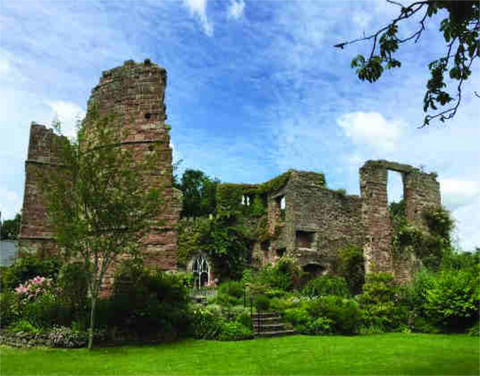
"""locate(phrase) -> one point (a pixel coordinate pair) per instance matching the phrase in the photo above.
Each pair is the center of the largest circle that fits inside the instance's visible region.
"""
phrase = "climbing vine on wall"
(409, 238)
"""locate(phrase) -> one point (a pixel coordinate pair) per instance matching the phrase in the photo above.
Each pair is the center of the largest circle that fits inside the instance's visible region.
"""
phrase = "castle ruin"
(311, 222)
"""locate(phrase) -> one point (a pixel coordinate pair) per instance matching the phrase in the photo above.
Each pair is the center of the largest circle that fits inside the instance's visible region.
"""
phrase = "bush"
(345, 314)
(380, 302)
(452, 302)
(234, 331)
(9, 308)
(206, 324)
(326, 285)
(299, 318)
(352, 268)
(262, 303)
(73, 285)
(230, 293)
(320, 326)
(28, 267)
(67, 338)
(25, 326)
(147, 302)
(474, 331)
(47, 311)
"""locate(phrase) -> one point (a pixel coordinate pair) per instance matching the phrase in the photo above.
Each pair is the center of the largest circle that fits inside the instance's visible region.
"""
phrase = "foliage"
(460, 30)
(230, 293)
(298, 317)
(206, 324)
(24, 326)
(327, 285)
(67, 338)
(146, 302)
(262, 303)
(352, 267)
(10, 228)
(234, 331)
(474, 331)
(9, 308)
(28, 267)
(34, 287)
(284, 275)
(380, 302)
(73, 285)
(428, 246)
(100, 207)
(220, 239)
(452, 302)
(199, 193)
(345, 314)
(46, 311)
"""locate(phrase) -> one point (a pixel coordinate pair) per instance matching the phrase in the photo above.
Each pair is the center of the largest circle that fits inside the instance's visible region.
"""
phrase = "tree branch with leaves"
(460, 31)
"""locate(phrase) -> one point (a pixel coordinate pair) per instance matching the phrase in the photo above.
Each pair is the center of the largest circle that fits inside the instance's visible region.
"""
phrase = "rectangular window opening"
(304, 239)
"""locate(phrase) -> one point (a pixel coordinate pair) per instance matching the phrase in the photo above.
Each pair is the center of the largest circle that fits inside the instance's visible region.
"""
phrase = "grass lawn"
(386, 354)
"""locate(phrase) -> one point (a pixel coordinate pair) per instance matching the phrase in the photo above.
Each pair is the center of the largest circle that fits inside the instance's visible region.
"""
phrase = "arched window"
(201, 271)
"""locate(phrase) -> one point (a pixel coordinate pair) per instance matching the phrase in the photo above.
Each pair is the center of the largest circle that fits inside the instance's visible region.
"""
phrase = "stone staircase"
(269, 324)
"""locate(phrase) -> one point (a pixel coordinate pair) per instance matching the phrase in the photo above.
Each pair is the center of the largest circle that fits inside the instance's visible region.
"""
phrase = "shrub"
(67, 338)
(206, 324)
(73, 285)
(34, 287)
(230, 293)
(245, 319)
(28, 267)
(474, 331)
(352, 268)
(47, 311)
(234, 331)
(25, 326)
(380, 302)
(9, 308)
(452, 302)
(345, 314)
(299, 318)
(326, 285)
(262, 303)
(320, 326)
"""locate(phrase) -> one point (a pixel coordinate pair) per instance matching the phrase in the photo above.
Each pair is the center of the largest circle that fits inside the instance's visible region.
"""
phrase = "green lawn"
(388, 354)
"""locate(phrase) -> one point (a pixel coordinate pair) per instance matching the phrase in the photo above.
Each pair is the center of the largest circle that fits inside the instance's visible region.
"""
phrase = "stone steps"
(269, 324)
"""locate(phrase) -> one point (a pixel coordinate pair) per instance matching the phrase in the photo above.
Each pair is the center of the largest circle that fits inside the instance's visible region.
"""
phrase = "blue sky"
(254, 88)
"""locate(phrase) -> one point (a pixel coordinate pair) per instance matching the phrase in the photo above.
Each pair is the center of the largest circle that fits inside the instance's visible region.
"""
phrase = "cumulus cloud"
(236, 9)
(198, 8)
(68, 114)
(467, 221)
(372, 129)
(457, 193)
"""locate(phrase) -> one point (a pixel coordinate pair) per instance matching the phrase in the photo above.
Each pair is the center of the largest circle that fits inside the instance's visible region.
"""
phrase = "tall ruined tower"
(135, 94)
(420, 191)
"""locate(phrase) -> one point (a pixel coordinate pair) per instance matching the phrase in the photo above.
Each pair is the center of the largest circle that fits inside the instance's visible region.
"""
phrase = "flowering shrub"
(67, 338)
(34, 288)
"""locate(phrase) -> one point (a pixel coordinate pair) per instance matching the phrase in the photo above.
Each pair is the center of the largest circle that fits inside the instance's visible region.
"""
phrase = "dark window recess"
(265, 245)
(313, 269)
(305, 239)
(280, 252)
(148, 115)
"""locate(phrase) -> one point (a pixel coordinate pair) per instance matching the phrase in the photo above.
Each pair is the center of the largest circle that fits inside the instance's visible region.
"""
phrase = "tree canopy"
(199, 193)
(460, 29)
(10, 228)
(99, 200)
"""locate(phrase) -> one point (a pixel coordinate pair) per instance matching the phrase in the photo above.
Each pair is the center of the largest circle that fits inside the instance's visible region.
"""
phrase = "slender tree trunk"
(92, 321)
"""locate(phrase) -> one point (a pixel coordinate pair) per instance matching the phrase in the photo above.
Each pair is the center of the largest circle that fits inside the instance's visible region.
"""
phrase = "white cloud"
(467, 221)
(457, 193)
(11, 203)
(236, 9)
(371, 128)
(199, 8)
(68, 114)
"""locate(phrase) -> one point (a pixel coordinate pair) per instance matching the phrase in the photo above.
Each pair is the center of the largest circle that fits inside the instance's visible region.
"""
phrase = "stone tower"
(135, 94)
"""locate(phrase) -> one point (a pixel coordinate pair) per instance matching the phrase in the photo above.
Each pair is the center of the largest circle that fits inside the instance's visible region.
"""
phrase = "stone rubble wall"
(421, 191)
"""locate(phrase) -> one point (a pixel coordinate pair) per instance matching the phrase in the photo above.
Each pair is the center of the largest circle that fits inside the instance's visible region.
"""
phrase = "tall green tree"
(99, 200)
(10, 228)
(460, 29)
(199, 193)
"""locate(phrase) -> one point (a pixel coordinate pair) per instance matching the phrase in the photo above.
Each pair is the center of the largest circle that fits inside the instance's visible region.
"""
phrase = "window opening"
(304, 239)
(280, 252)
(395, 190)
(201, 272)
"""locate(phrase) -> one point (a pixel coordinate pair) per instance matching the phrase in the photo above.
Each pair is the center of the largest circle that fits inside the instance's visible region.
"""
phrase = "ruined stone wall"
(135, 94)
(332, 220)
(35, 233)
(421, 190)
